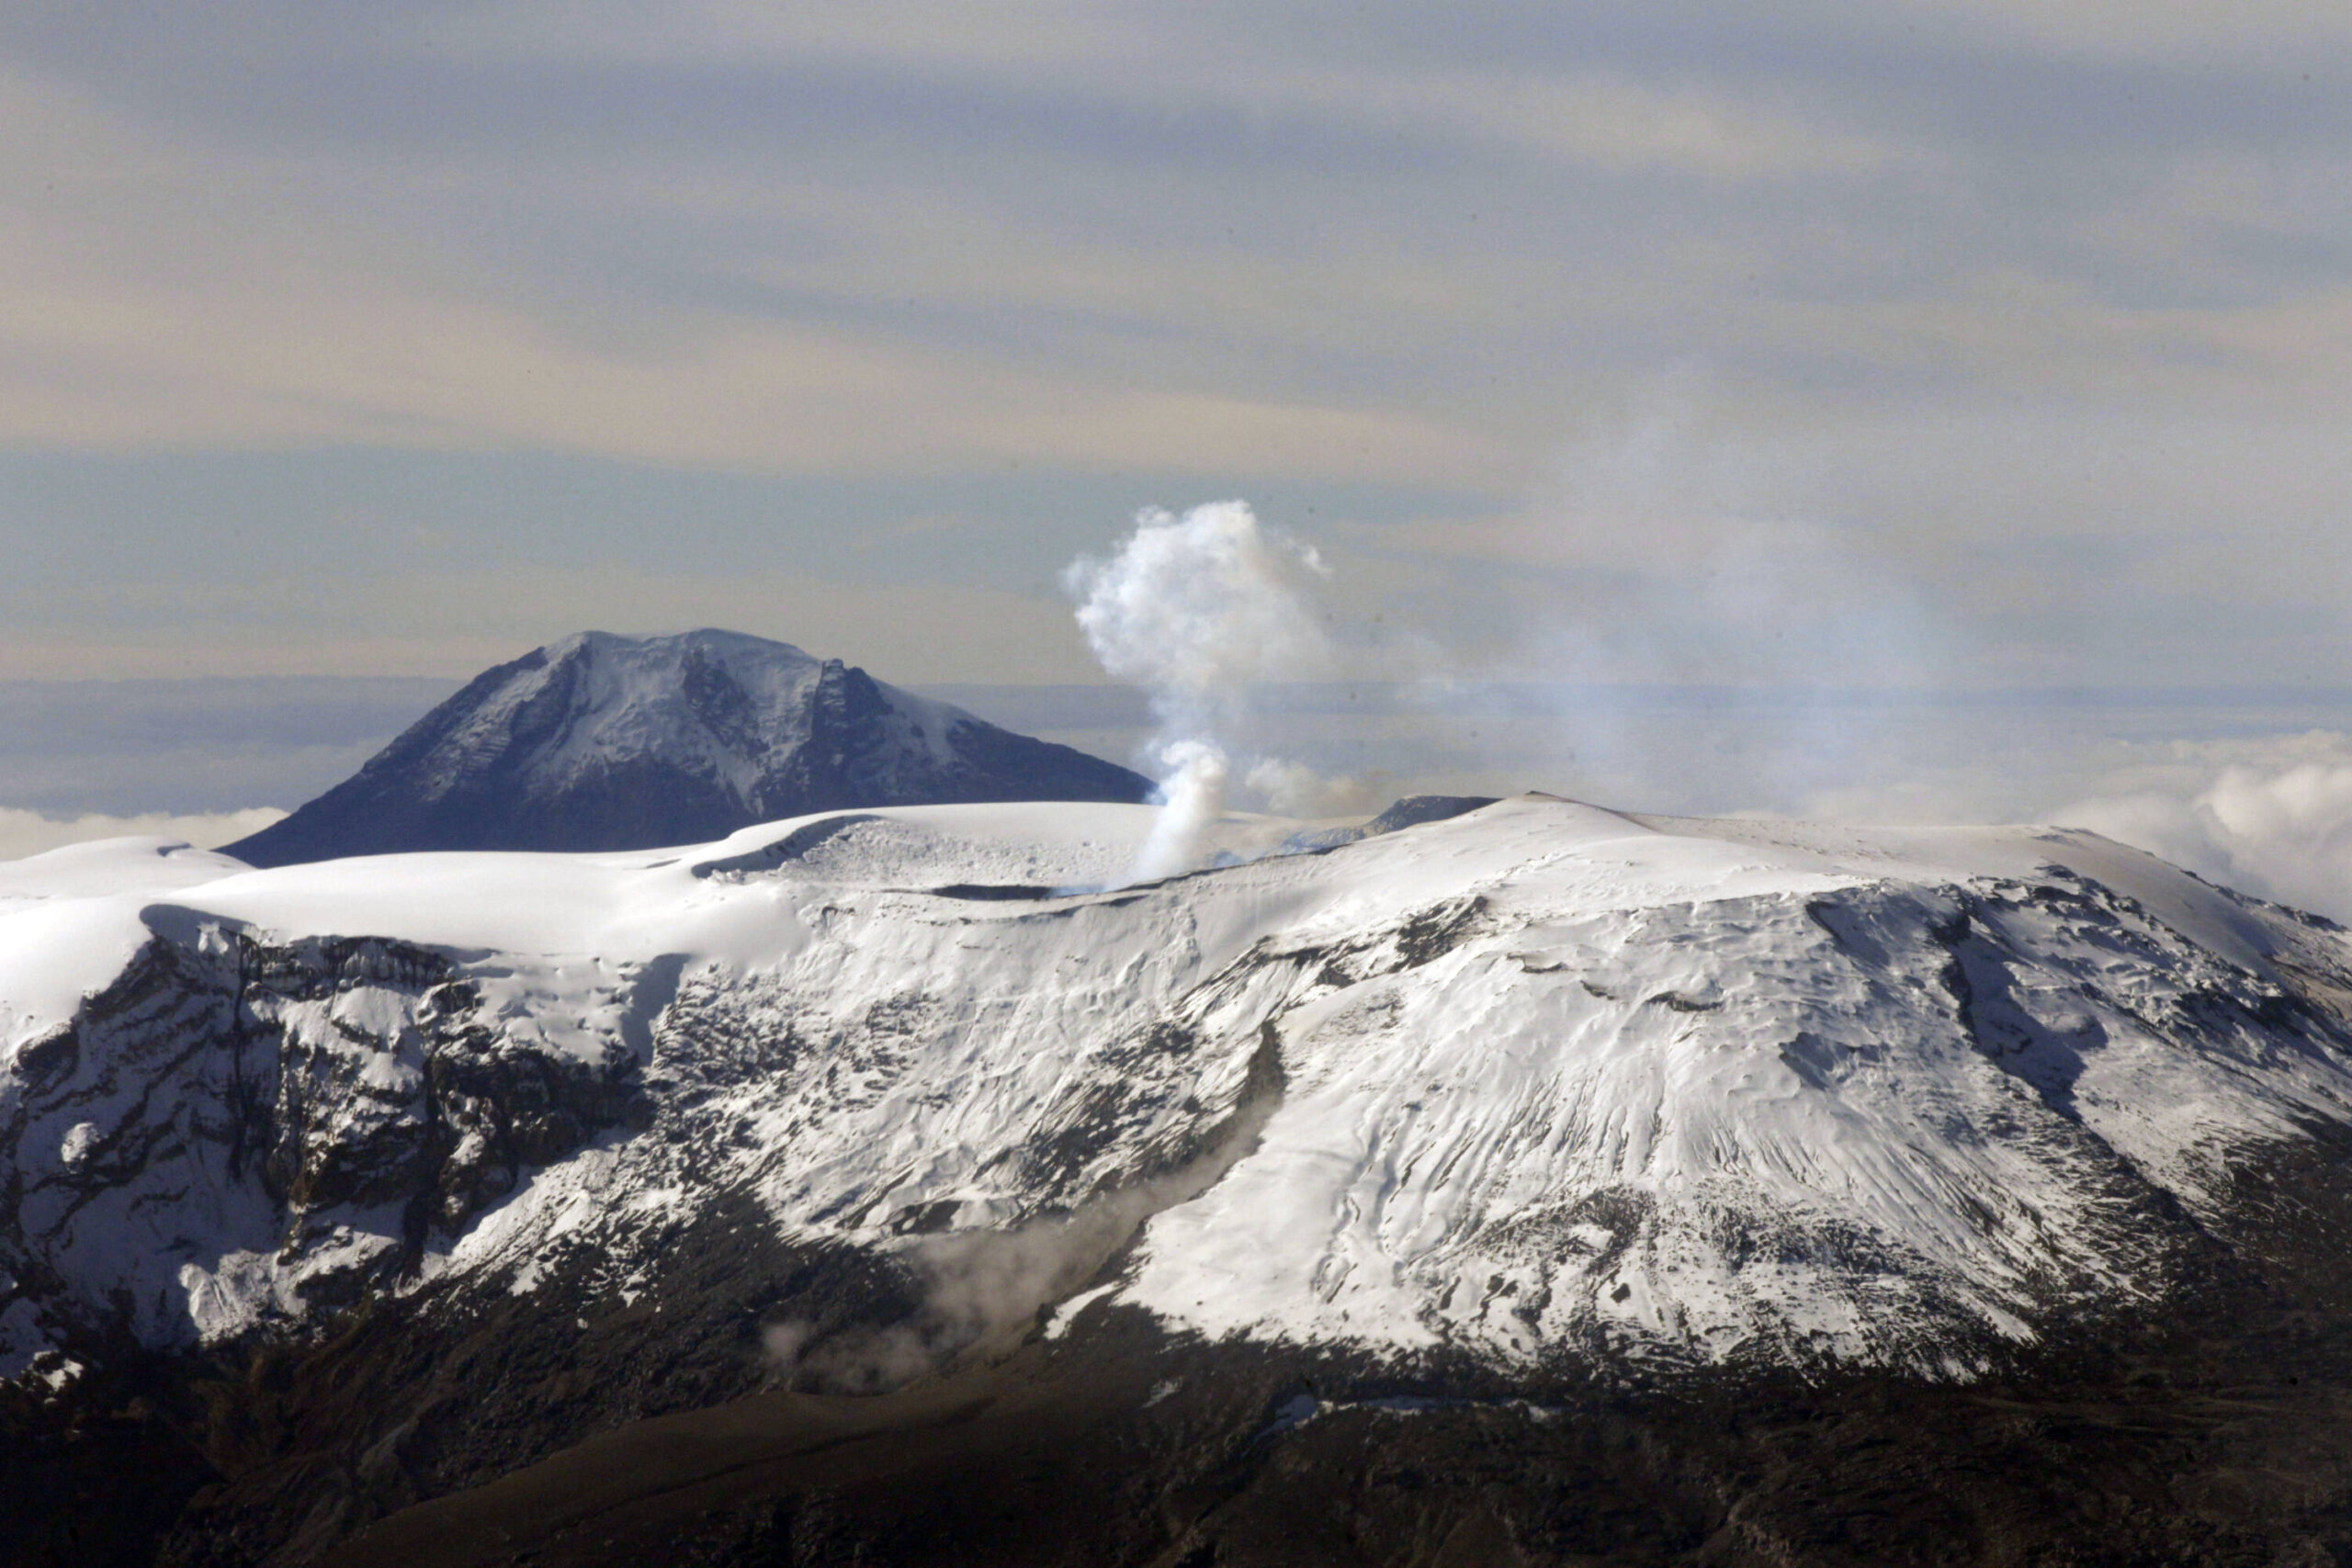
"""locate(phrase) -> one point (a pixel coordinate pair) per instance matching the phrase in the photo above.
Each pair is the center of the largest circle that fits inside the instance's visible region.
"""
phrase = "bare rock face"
(604, 742)
(271, 1093)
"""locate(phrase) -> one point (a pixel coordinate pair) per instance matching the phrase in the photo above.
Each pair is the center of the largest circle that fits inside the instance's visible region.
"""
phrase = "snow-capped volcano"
(1539, 1081)
(600, 742)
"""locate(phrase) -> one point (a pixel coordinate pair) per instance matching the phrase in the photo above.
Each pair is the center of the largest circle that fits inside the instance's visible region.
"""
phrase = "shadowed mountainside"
(604, 742)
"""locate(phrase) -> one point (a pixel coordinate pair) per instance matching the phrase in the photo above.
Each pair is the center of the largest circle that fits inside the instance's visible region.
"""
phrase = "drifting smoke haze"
(1807, 678)
(980, 1288)
(1738, 641)
(1662, 557)
(977, 1286)
(1695, 621)
(1193, 610)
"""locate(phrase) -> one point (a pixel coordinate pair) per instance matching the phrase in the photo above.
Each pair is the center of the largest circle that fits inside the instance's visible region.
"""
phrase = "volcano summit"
(604, 742)
(1488, 1124)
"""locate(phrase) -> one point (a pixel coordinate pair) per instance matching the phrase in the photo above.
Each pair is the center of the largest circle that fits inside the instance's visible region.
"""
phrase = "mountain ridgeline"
(605, 742)
(1530, 1186)
(1514, 1183)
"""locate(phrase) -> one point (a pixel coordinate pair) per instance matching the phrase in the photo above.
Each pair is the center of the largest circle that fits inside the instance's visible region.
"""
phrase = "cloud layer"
(2040, 313)
(2270, 818)
(29, 833)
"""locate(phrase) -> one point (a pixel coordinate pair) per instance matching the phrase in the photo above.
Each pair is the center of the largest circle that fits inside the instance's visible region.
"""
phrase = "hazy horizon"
(1971, 345)
(214, 759)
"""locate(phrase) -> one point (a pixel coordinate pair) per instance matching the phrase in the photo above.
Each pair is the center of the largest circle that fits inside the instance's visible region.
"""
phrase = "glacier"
(1537, 1084)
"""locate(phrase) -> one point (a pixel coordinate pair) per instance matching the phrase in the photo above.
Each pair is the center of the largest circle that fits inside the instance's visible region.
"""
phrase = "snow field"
(1551, 1079)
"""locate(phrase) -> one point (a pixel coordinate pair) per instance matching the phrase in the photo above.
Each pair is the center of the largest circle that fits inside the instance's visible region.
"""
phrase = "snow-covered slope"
(1542, 1080)
(603, 742)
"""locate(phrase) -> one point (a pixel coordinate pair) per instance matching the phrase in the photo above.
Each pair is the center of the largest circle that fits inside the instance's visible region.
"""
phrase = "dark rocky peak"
(607, 742)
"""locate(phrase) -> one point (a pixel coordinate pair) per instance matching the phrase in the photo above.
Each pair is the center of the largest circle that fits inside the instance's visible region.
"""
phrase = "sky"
(1941, 346)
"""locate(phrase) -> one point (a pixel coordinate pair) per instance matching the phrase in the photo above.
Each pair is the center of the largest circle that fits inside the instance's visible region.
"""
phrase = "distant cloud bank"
(2271, 817)
(26, 833)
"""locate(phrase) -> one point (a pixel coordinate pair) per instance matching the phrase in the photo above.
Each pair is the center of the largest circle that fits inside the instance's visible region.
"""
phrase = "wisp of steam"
(983, 1288)
(1193, 609)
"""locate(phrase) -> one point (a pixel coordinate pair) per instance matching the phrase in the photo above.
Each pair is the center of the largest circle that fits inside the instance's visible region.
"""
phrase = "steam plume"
(1192, 609)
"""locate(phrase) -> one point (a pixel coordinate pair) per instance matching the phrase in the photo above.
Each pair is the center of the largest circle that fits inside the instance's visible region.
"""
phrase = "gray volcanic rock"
(605, 742)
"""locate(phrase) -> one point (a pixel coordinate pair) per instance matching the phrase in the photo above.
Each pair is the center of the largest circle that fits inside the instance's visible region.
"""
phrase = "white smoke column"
(1194, 798)
(1192, 609)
